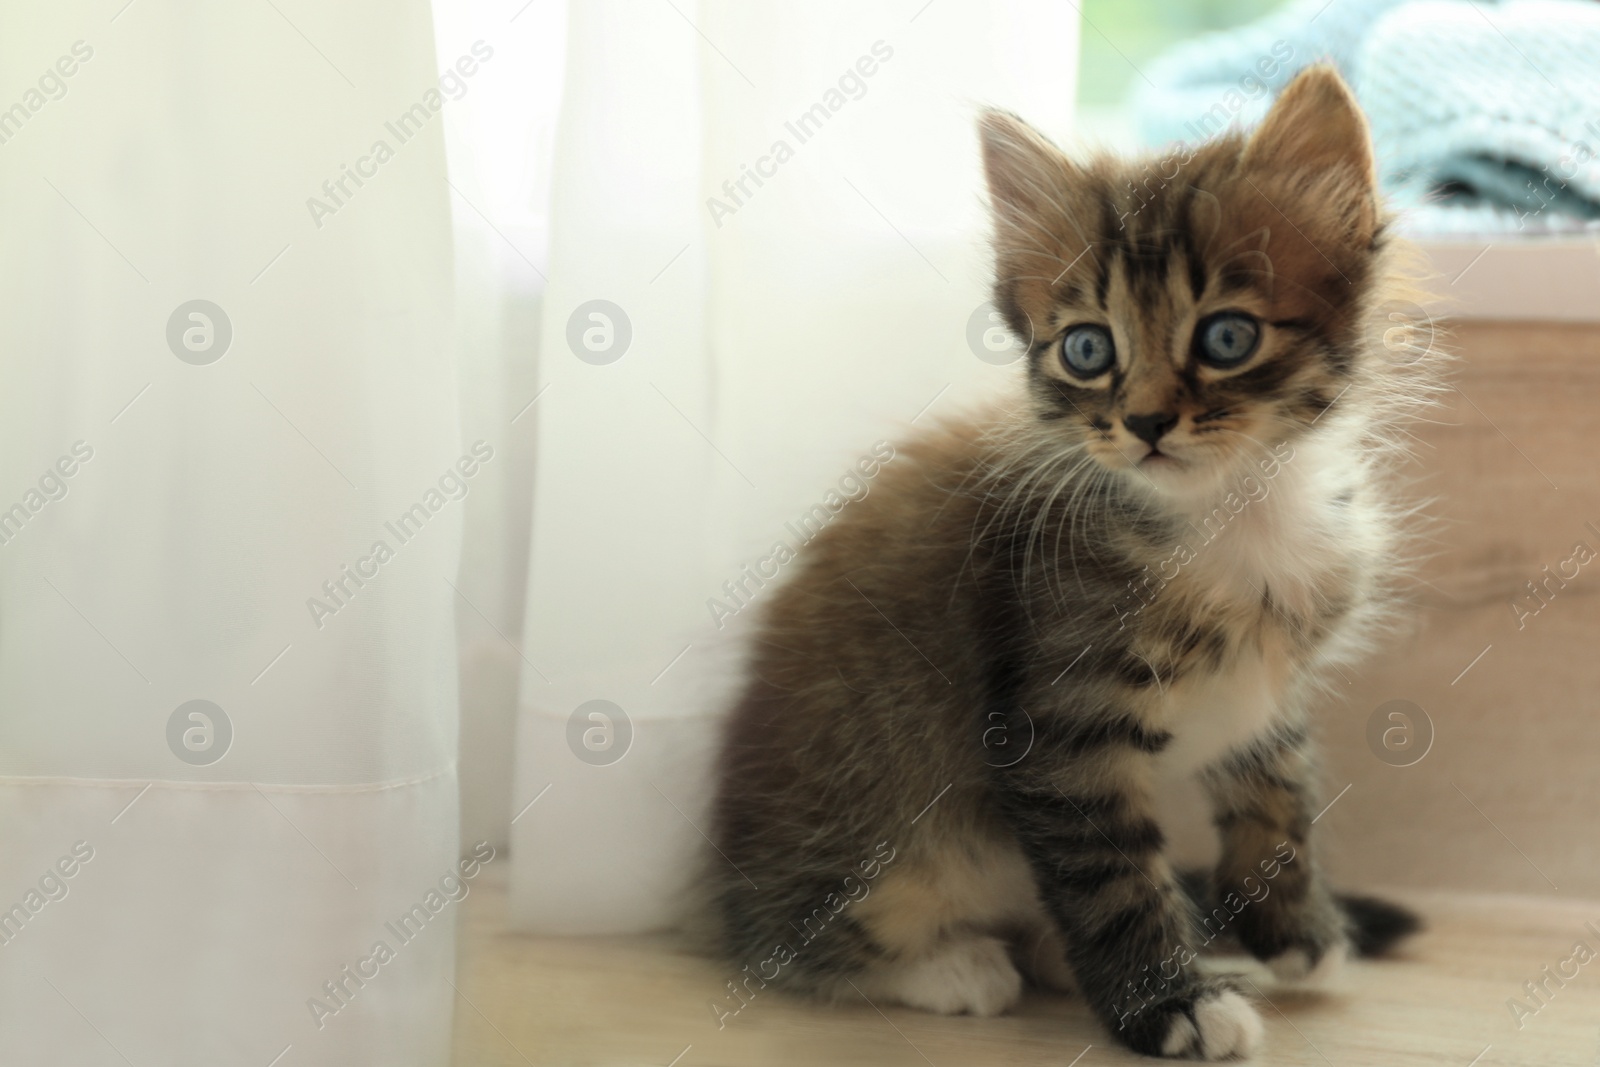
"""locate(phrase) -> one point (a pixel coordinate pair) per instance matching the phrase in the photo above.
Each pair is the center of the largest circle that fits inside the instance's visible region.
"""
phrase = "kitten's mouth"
(1155, 458)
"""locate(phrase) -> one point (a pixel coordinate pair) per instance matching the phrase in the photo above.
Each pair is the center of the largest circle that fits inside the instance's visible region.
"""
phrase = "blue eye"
(1088, 351)
(1227, 339)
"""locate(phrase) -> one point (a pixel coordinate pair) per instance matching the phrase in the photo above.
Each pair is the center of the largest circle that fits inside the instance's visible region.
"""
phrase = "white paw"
(1223, 1026)
(1295, 965)
(975, 977)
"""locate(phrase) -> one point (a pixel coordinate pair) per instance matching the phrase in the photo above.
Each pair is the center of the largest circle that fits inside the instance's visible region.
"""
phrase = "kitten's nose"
(1149, 428)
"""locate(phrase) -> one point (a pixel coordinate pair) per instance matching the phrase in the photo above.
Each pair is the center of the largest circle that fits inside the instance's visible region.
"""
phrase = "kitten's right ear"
(1315, 124)
(1023, 169)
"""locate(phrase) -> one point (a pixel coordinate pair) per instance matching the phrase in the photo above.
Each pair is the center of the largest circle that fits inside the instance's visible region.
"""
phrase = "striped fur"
(977, 678)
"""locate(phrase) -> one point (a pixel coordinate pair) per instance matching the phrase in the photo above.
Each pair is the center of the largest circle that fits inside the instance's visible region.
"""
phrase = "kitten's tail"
(1376, 926)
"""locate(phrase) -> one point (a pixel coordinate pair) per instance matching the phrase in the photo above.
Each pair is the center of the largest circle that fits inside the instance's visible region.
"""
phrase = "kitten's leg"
(1264, 807)
(1085, 821)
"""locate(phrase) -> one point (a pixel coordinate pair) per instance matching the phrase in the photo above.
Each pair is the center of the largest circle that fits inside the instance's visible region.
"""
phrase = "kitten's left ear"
(1314, 125)
(1024, 170)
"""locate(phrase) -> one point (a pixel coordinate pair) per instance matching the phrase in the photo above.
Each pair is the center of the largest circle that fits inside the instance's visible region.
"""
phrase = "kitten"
(941, 773)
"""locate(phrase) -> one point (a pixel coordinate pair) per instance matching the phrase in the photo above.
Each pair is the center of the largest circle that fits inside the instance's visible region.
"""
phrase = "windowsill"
(1555, 279)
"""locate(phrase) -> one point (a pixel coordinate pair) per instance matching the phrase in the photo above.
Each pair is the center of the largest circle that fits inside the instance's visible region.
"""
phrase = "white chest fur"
(1212, 714)
(1293, 531)
(1289, 531)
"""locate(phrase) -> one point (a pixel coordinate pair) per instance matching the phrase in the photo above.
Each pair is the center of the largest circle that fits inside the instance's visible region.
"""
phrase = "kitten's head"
(1184, 315)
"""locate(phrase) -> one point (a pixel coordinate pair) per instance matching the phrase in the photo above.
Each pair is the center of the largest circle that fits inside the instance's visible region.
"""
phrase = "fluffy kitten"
(941, 773)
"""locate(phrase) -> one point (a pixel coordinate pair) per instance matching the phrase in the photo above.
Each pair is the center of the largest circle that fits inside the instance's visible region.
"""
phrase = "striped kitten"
(941, 773)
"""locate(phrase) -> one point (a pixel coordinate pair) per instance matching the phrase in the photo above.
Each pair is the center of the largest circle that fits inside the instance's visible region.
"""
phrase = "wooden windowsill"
(1553, 279)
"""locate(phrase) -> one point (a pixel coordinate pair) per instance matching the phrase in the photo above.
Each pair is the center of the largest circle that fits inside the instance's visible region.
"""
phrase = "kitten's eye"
(1088, 351)
(1228, 339)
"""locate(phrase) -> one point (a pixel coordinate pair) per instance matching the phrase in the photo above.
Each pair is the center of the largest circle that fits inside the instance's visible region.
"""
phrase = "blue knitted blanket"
(1485, 116)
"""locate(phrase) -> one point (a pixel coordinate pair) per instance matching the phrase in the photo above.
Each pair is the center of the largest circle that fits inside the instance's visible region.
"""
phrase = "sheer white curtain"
(766, 253)
(499, 135)
(194, 495)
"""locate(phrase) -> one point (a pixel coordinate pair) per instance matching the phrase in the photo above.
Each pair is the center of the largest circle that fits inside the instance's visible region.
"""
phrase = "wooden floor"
(641, 1001)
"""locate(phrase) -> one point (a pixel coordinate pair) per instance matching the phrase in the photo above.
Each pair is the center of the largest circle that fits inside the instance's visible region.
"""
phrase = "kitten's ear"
(1023, 168)
(1314, 125)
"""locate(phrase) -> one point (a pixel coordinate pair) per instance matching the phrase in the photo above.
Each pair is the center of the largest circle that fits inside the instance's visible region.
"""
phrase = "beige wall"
(1517, 734)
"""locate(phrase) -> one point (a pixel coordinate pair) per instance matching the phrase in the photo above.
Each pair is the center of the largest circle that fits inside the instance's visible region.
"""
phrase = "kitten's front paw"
(1220, 1026)
(1212, 1023)
(1298, 967)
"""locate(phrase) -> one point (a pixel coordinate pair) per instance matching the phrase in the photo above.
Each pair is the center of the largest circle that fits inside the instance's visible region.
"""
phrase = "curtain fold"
(766, 255)
(231, 468)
